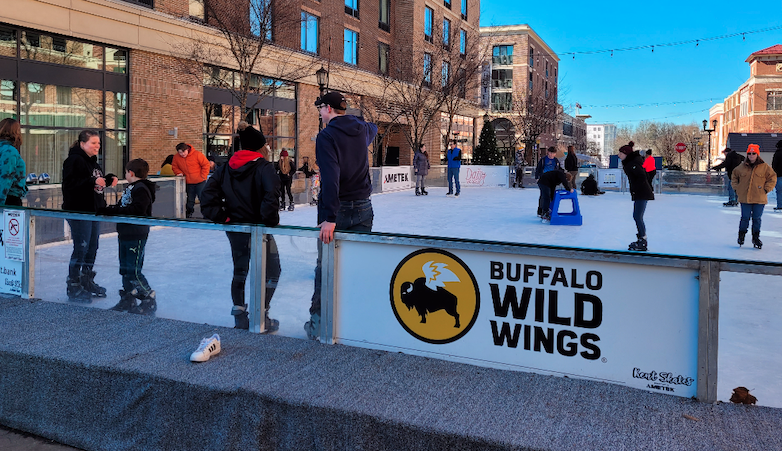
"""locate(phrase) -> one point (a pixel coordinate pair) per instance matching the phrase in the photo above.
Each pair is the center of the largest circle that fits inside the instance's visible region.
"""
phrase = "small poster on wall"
(12, 241)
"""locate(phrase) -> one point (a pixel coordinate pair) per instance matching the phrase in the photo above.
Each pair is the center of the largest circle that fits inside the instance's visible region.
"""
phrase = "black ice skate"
(417, 192)
(741, 237)
(730, 203)
(77, 293)
(423, 191)
(87, 279)
(756, 240)
(290, 207)
(639, 245)
(126, 302)
(147, 304)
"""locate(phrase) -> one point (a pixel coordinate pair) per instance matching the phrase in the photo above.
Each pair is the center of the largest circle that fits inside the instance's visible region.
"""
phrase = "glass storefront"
(57, 87)
(461, 130)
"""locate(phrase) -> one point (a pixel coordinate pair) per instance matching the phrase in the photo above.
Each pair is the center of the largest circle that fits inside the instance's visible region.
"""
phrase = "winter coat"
(285, 178)
(341, 153)
(776, 162)
(571, 162)
(732, 160)
(546, 164)
(640, 189)
(553, 178)
(649, 164)
(79, 173)
(421, 164)
(752, 183)
(167, 170)
(454, 157)
(589, 186)
(245, 190)
(305, 168)
(195, 167)
(136, 200)
(13, 173)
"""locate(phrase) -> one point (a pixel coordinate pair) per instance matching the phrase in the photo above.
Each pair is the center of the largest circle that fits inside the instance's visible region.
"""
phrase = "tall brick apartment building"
(122, 67)
(522, 77)
(756, 106)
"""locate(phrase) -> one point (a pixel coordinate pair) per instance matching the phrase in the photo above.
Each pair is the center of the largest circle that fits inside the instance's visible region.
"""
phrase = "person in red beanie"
(285, 170)
(640, 191)
(752, 180)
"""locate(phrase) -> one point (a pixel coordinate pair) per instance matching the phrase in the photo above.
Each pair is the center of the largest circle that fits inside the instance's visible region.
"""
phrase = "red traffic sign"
(680, 147)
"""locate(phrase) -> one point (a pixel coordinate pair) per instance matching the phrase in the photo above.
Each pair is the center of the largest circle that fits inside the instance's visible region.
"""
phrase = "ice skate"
(126, 302)
(730, 203)
(146, 306)
(282, 206)
(639, 245)
(777, 209)
(241, 318)
(290, 207)
(424, 192)
(271, 325)
(312, 327)
(87, 279)
(756, 240)
(77, 293)
(417, 192)
(741, 237)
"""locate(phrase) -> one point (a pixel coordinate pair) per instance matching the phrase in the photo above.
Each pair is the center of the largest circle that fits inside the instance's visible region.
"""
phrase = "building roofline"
(514, 30)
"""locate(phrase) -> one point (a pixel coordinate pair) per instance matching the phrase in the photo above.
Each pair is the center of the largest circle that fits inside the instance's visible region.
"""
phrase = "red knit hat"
(753, 148)
(627, 149)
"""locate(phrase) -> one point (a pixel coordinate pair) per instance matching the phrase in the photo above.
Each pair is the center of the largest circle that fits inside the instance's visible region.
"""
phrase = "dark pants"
(354, 216)
(650, 176)
(131, 261)
(453, 177)
(285, 187)
(240, 253)
(85, 247)
(13, 200)
(754, 211)
(544, 201)
(193, 190)
(639, 208)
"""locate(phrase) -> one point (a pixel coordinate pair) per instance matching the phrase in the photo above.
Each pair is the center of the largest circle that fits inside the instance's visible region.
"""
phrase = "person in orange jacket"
(752, 180)
(194, 166)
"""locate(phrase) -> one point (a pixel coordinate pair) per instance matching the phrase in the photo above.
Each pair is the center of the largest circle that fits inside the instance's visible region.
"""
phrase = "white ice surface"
(191, 269)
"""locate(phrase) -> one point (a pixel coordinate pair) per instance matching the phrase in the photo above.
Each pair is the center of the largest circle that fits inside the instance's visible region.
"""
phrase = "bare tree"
(533, 115)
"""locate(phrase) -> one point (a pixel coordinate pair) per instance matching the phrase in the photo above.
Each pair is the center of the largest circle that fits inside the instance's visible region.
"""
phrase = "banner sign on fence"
(483, 176)
(396, 178)
(560, 316)
(12, 240)
(609, 178)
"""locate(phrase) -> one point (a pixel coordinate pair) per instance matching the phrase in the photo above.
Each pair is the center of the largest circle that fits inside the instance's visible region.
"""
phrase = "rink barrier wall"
(335, 276)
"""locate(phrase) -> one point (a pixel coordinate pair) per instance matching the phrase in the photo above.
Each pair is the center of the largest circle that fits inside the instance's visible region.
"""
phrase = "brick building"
(756, 106)
(148, 74)
(519, 88)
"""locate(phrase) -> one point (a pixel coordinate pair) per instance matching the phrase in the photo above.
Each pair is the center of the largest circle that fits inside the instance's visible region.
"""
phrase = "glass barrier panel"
(290, 304)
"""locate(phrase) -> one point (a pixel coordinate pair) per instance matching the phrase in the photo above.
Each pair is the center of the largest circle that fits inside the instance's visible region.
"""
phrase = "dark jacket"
(341, 153)
(776, 162)
(136, 200)
(554, 178)
(244, 190)
(421, 164)
(305, 168)
(589, 186)
(640, 189)
(732, 160)
(79, 191)
(285, 178)
(571, 162)
(543, 167)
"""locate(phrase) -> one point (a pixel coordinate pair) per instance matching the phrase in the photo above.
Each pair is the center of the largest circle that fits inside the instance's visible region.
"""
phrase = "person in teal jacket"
(13, 186)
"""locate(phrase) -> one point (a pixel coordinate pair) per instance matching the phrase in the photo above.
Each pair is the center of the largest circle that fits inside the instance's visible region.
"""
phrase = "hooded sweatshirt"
(341, 153)
(79, 173)
(136, 200)
(246, 190)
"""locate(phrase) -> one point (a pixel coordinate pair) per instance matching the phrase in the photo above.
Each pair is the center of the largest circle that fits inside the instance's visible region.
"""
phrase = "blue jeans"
(193, 190)
(779, 192)
(732, 197)
(357, 216)
(544, 201)
(131, 261)
(754, 211)
(85, 247)
(453, 176)
(639, 208)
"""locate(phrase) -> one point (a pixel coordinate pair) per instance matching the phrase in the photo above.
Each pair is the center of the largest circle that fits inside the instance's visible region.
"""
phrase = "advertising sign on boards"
(12, 242)
(396, 178)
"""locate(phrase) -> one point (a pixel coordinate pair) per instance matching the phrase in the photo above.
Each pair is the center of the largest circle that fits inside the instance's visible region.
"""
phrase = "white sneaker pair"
(208, 347)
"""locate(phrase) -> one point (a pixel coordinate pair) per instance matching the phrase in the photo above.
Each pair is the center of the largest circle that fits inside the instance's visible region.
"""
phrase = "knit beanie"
(627, 149)
(251, 138)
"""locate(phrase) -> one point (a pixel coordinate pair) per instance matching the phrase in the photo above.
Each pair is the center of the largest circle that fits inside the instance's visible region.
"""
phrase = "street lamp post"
(322, 76)
(709, 130)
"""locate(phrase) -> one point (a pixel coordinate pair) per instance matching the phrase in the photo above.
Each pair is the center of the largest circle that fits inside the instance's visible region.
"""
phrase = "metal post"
(708, 330)
(28, 267)
(328, 264)
(256, 304)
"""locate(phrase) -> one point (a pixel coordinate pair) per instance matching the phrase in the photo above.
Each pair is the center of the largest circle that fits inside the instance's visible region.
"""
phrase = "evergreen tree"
(487, 152)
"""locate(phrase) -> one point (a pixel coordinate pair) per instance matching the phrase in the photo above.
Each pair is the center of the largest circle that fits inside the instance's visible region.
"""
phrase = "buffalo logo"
(434, 296)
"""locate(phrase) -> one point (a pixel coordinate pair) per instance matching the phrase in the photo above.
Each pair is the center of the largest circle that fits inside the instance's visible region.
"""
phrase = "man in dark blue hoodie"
(344, 204)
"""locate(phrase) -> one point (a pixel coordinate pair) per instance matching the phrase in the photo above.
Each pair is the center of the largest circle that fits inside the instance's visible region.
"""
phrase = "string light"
(743, 35)
(655, 104)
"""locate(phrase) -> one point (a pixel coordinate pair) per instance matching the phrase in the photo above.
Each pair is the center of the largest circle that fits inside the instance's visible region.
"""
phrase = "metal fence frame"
(708, 268)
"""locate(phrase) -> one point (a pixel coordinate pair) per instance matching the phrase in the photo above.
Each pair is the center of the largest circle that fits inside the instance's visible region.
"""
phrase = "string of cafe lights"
(743, 35)
(651, 104)
(657, 118)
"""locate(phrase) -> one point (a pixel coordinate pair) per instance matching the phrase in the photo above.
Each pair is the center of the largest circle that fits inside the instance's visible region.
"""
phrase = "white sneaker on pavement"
(208, 347)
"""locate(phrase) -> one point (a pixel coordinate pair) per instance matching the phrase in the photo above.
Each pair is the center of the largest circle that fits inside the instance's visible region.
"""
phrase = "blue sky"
(689, 75)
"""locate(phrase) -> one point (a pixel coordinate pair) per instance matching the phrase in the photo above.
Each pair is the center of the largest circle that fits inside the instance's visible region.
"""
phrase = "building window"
(547, 89)
(351, 47)
(531, 57)
(530, 83)
(428, 24)
(147, 3)
(196, 9)
(351, 8)
(383, 51)
(464, 9)
(446, 33)
(774, 100)
(546, 69)
(501, 102)
(462, 83)
(744, 104)
(462, 42)
(261, 19)
(309, 32)
(427, 69)
(447, 3)
(385, 12)
(446, 74)
(502, 55)
(502, 79)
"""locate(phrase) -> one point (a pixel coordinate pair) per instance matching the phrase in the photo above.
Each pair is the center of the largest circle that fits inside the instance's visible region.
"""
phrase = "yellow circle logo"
(434, 296)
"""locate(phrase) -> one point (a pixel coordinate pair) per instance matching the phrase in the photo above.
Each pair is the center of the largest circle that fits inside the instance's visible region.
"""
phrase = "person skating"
(571, 164)
(650, 167)
(776, 165)
(454, 157)
(640, 191)
(548, 162)
(752, 181)
(13, 185)
(731, 161)
(421, 167)
(194, 167)
(246, 190)
(285, 170)
(548, 184)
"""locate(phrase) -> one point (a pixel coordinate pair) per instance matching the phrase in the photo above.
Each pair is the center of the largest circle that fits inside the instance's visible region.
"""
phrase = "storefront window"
(116, 60)
(55, 106)
(116, 110)
(7, 99)
(59, 50)
(7, 42)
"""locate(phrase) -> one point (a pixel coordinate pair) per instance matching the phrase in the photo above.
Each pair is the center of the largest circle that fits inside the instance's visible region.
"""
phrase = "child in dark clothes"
(136, 200)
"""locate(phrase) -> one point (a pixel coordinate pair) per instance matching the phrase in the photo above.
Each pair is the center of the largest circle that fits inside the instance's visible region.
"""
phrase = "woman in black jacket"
(640, 190)
(83, 183)
(285, 170)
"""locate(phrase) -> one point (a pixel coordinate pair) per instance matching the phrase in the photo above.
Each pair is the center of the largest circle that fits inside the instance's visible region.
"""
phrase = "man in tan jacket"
(752, 180)
(194, 166)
